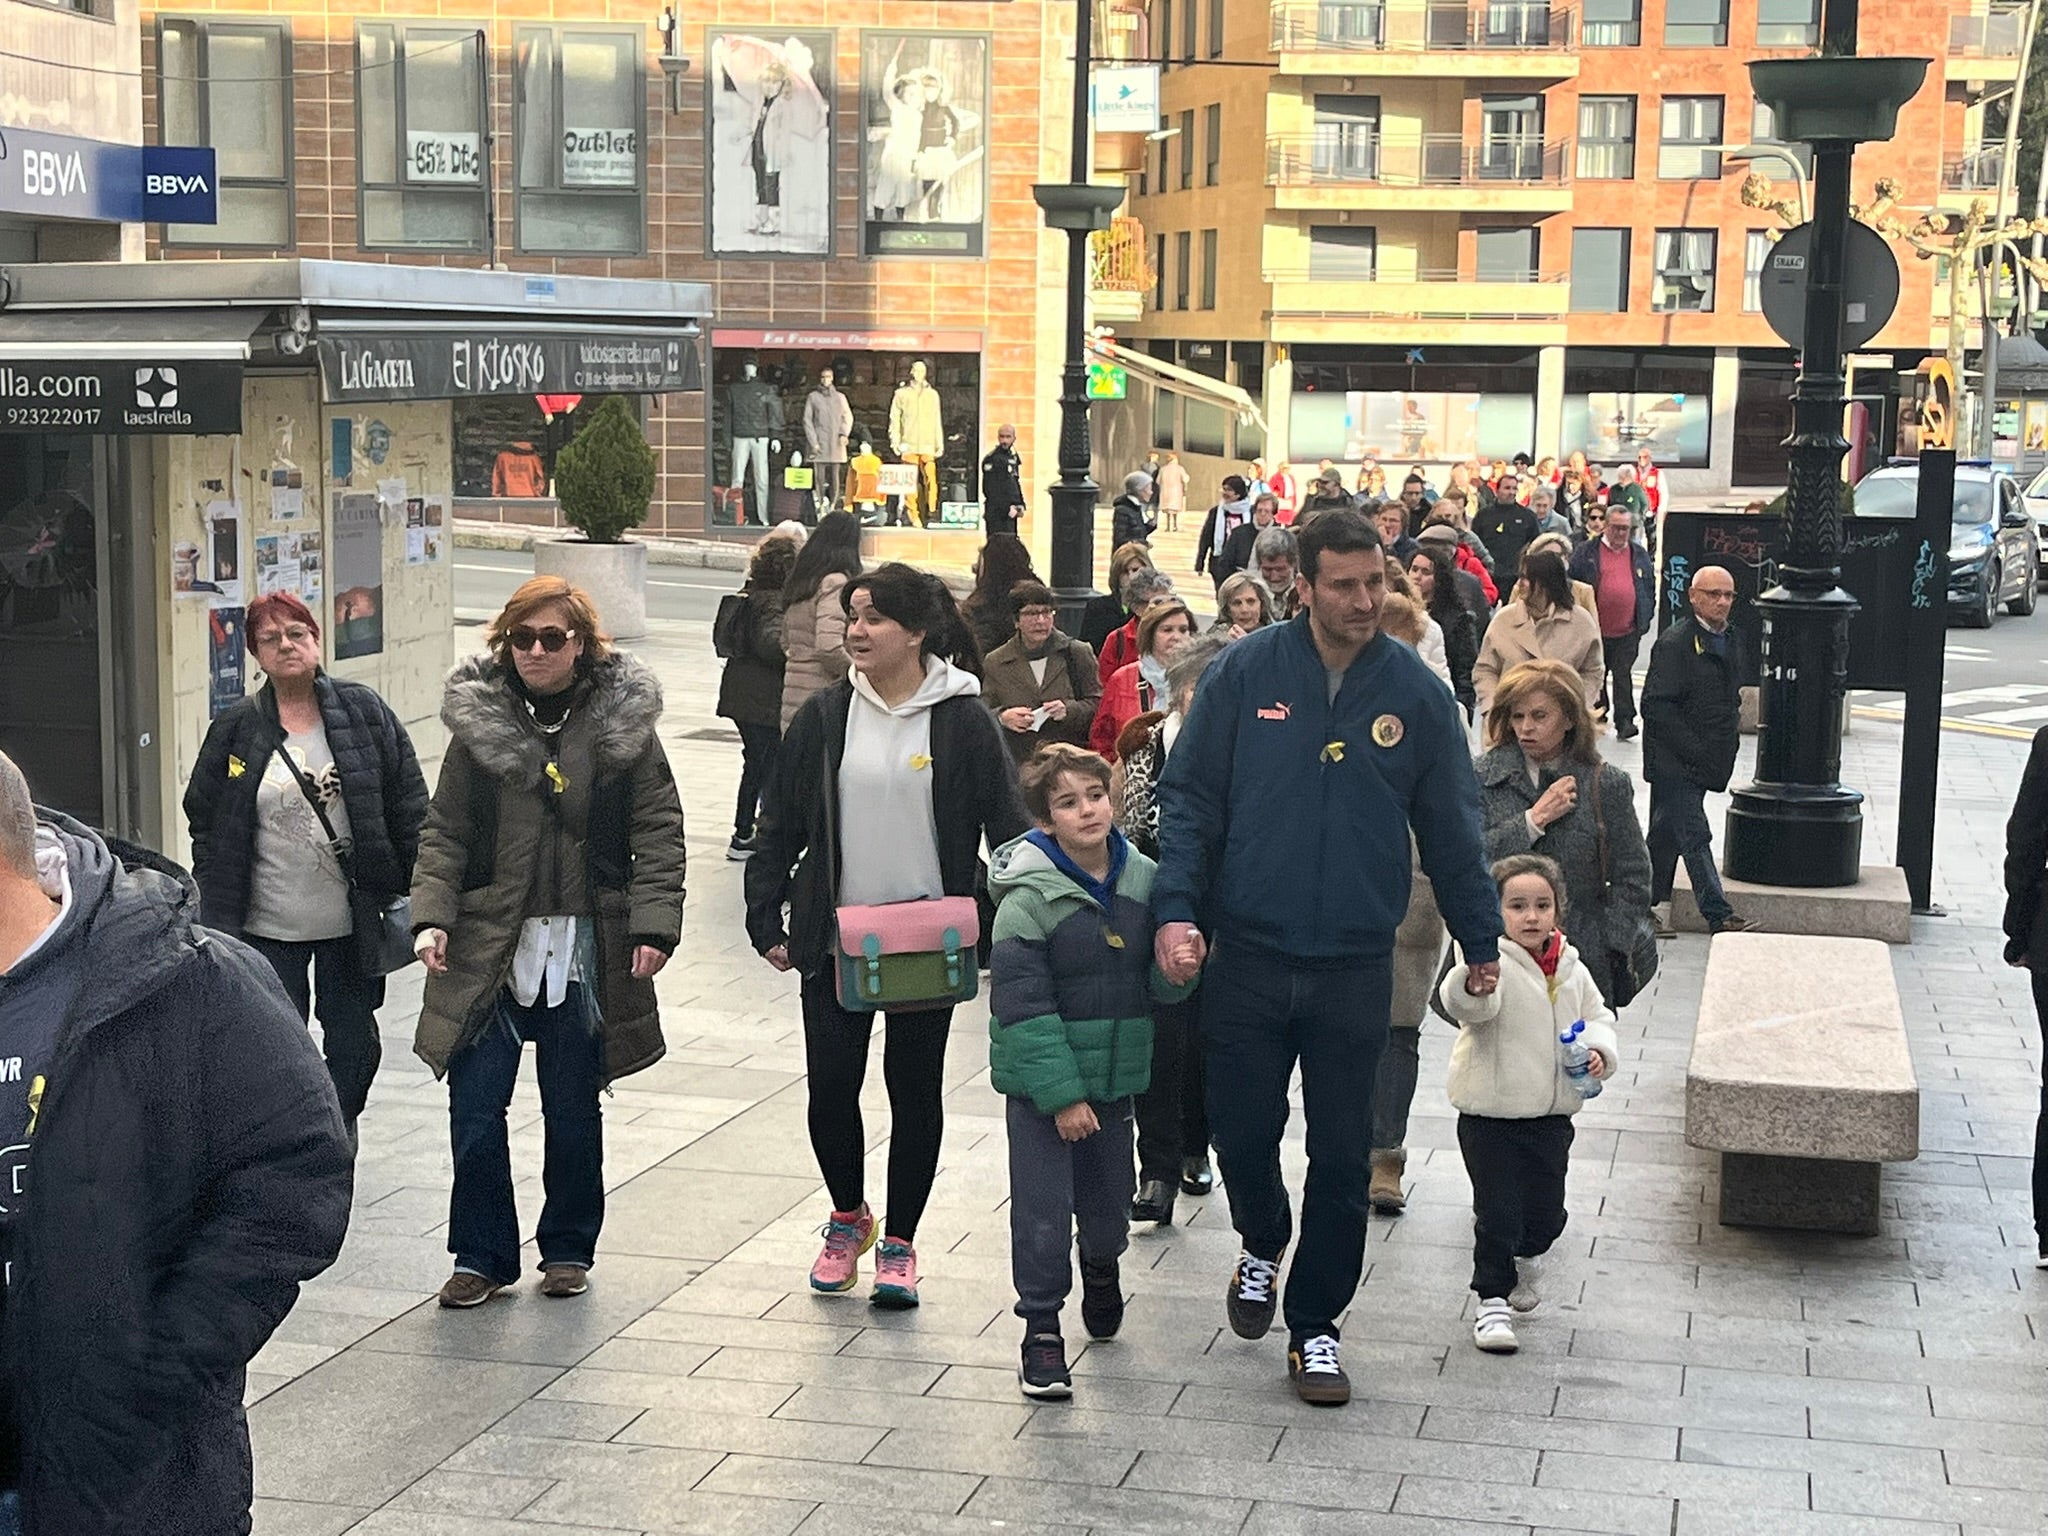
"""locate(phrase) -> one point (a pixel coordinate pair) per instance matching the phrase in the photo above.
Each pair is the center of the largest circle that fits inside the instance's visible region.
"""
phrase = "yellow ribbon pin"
(556, 778)
(35, 1101)
(1115, 940)
(1333, 752)
(236, 767)
(919, 762)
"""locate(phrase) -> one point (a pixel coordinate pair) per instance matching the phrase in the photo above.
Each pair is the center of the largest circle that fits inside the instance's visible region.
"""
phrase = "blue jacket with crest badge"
(1284, 818)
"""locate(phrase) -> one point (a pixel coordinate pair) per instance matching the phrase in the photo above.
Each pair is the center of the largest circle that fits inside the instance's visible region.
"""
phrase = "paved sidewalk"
(1680, 1378)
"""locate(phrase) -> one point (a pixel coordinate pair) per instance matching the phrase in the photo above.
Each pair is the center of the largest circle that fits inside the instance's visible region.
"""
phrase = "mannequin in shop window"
(828, 421)
(917, 436)
(518, 472)
(753, 408)
(864, 486)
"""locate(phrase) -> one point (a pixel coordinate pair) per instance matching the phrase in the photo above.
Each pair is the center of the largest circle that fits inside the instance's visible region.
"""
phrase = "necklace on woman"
(541, 725)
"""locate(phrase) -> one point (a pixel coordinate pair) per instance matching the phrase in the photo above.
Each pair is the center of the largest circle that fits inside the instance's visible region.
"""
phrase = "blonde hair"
(1561, 684)
(1236, 582)
(1401, 618)
(541, 592)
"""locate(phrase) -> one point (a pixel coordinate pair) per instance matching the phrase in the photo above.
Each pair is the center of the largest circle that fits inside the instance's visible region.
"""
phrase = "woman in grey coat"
(1543, 788)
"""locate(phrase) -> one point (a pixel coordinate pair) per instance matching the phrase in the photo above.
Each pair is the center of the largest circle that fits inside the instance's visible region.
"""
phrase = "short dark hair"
(1342, 531)
(1040, 775)
(1244, 486)
(921, 601)
(1415, 480)
(1031, 594)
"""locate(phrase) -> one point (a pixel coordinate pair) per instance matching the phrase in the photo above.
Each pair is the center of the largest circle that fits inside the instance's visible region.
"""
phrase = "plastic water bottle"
(1578, 1061)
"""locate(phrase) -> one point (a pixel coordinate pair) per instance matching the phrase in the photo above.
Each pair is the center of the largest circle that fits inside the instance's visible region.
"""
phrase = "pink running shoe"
(895, 1275)
(848, 1235)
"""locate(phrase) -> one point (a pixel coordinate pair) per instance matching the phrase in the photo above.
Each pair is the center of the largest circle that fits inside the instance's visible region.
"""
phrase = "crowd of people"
(930, 787)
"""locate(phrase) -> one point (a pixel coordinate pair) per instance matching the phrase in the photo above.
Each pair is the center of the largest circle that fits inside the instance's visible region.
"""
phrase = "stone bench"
(1801, 1080)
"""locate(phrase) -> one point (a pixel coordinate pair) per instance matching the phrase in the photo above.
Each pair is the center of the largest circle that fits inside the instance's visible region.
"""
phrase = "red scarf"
(1547, 957)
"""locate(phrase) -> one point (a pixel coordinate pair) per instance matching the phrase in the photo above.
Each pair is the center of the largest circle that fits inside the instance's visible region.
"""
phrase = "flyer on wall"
(769, 136)
(225, 677)
(358, 572)
(224, 544)
(924, 143)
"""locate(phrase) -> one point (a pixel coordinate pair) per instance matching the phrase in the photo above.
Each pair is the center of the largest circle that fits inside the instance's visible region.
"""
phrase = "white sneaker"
(1523, 1297)
(1494, 1332)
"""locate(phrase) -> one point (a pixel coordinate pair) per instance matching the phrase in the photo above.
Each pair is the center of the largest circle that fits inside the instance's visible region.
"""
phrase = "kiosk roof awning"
(184, 335)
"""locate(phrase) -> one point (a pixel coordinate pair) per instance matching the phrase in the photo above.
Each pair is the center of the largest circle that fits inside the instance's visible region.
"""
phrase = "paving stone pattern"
(1681, 1379)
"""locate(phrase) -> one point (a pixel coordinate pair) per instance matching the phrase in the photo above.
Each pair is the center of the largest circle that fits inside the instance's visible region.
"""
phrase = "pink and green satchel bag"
(909, 954)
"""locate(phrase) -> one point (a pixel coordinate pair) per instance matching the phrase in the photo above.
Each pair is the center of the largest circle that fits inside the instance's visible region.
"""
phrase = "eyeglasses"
(292, 634)
(551, 640)
(1034, 613)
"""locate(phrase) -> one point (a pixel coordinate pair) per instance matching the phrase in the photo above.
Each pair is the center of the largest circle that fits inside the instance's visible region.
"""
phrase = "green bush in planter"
(605, 478)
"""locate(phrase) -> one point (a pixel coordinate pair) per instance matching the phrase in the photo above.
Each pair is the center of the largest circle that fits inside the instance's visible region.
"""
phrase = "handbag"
(899, 955)
(382, 925)
(1634, 968)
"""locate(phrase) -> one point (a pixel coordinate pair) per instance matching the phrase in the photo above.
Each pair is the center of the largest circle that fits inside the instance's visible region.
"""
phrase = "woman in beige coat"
(1544, 622)
(813, 622)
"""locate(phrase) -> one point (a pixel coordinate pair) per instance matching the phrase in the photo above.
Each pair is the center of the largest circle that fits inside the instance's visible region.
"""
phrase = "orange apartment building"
(1423, 229)
(851, 180)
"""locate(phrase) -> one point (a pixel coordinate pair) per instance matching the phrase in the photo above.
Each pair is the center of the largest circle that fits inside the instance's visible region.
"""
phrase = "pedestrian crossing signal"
(1107, 381)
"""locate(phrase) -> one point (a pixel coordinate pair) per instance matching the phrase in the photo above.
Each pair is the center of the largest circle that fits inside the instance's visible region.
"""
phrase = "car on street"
(1994, 551)
(2036, 495)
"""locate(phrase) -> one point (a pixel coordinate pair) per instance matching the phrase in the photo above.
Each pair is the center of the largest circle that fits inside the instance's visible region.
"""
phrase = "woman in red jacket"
(1136, 688)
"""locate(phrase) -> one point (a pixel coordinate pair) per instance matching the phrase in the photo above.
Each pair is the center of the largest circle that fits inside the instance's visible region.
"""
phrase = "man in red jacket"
(1651, 479)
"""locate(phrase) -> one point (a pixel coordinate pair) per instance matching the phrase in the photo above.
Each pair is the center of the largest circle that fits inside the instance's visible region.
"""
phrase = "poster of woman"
(769, 155)
(924, 156)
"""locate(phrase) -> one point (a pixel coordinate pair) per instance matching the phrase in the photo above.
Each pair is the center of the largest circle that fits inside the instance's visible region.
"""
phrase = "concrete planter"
(614, 575)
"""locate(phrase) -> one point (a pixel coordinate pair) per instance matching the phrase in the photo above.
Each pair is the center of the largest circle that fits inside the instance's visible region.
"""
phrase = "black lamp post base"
(1073, 548)
(1795, 834)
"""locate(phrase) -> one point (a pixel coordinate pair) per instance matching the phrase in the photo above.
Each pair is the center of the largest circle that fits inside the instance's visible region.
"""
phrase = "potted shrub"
(604, 481)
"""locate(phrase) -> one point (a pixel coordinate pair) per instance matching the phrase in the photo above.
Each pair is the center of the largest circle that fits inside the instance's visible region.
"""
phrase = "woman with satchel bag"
(885, 788)
(305, 809)
(1543, 788)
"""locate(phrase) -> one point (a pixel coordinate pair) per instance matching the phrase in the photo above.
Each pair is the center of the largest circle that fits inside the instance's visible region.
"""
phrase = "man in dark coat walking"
(1131, 518)
(175, 1166)
(1692, 713)
(1002, 484)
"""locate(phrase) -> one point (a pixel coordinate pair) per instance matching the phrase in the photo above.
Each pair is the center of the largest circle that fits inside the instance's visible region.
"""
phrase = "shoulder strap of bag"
(334, 843)
(1073, 673)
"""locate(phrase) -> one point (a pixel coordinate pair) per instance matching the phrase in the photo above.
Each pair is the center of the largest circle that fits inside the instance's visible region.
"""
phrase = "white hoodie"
(1505, 1062)
(888, 832)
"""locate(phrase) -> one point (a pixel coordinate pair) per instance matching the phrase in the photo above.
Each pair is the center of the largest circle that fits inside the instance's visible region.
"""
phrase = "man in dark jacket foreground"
(1692, 711)
(175, 1168)
(1361, 744)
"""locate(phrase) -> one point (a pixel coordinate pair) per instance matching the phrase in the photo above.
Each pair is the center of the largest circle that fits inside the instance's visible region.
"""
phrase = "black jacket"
(188, 1172)
(1461, 650)
(1505, 527)
(1584, 565)
(1103, 617)
(754, 408)
(974, 792)
(750, 688)
(1002, 487)
(381, 785)
(1692, 708)
(2026, 857)
(1130, 522)
(1237, 553)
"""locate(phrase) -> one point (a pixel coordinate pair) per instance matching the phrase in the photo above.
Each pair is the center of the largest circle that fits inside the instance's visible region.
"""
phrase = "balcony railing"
(1336, 289)
(1979, 170)
(1117, 262)
(1344, 158)
(1366, 26)
(1995, 35)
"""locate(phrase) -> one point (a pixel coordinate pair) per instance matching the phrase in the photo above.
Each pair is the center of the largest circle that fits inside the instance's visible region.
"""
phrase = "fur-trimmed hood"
(482, 709)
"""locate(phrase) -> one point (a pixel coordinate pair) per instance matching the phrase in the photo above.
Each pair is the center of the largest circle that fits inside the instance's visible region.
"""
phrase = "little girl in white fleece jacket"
(1515, 1103)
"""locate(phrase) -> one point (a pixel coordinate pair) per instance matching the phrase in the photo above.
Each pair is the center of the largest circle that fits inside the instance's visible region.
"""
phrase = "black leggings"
(759, 745)
(2041, 1124)
(914, 1068)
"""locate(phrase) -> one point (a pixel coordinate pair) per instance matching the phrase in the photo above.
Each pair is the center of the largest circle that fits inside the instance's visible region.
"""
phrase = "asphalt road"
(1995, 680)
(484, 578)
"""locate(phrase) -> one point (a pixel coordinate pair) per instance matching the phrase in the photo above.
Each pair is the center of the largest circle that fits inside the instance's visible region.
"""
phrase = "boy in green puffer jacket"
(1071, 987)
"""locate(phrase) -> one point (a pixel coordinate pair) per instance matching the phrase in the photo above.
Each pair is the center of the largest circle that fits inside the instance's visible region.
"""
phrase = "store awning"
(1177, 380)
(125, 371)
(149, 335)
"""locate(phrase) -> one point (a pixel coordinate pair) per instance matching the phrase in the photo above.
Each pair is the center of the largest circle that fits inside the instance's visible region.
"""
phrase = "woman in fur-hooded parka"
(501, 836)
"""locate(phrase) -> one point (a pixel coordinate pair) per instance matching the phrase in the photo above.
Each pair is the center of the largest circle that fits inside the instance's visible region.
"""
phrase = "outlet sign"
(56, 176)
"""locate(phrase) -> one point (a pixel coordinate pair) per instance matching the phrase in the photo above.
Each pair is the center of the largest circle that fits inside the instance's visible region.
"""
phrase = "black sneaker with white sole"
(1043, 1371)
(1253, 1296)
(1102, 1299)
(1319, 1379)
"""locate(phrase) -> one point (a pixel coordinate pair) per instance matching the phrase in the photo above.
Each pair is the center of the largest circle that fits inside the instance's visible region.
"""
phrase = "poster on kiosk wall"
(768, 152)
(924, 143)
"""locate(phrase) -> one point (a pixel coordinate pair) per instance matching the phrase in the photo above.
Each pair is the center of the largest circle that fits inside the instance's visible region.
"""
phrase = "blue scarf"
(1101, 892)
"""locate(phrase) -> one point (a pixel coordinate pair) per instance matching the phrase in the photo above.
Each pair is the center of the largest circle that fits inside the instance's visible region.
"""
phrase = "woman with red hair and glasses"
(549, 893)
(305, 808)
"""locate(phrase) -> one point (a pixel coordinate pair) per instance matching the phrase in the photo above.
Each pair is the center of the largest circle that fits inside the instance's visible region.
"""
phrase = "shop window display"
(888, 426)
(505, 445)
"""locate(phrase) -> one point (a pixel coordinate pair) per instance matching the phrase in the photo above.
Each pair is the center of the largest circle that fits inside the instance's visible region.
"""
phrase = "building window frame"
(1215, 29)
(1158, 272)
(1206, 298)
(1611, 24)
(202, 29)
(1617, 303)
(557, 33)
(1183, 259)
(1675, 279)
(1187, 150)
(1684, 132)
(1756, 251)
(1607, 150)
(443, 34)
(1696, 24)
(1212, 144)
(1787, 23)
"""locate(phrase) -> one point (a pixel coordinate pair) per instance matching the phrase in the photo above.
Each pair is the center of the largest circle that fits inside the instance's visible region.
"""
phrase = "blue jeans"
(10, 1513)
(483, 1222)
(1261, 1013)
(1679, 829)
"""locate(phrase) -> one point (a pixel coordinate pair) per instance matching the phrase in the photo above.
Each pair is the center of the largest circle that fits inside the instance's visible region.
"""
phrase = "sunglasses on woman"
(551, 639)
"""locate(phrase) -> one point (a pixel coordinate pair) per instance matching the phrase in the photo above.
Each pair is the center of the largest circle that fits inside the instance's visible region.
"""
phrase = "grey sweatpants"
(1058, 1185)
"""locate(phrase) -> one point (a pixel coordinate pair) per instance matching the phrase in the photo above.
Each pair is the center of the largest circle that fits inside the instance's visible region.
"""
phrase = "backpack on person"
(732, 629)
